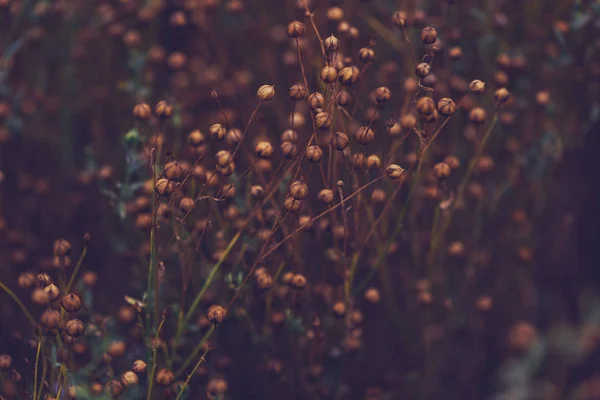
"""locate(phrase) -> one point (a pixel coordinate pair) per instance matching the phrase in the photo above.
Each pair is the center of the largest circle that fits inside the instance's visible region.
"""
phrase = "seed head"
(323, 120)
(224, 158)
(428, 35)
(257, 192)
(227, 170)
(441, 170)
(297, 92)
(298, 281)
(75, 327)
(114, 388)
(186, 205)
(217, 131)
(289, 135)
(289, 150)
(295, 29)
(233, 137)
(50, 319)
(446, 106)
(173, 171)
(382, 95)
(263, 150)
(292, 205)
(422, 70)
(266, 92)
(139, 367)
(129, 378)
(142, 111)
(71, 302)
(477, 115)
(216, 314)
(328, 74)
(373, 162)
(364, 135)
(502, 95)
(316, 100)
(366, 55)
(163, 109)
(61, 247)
(394, 171)
(339, 141)
(298, 190)
(196, 138)
(331, 44)
(476, 86)
(164, 187)
(314, 154)
(5, 362)
(425, 106)
(348, 75)
(53, 291)
(326, 196)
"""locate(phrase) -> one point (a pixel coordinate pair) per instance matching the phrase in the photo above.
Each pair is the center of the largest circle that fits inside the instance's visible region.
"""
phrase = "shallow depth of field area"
(299, 199)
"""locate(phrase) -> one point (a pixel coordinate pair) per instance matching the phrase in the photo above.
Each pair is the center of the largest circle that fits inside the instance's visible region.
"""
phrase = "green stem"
(19, 303)
(76, 270)
(200, 294)
(189, 377)
(35, 371)
(153, 368)
(195, 351)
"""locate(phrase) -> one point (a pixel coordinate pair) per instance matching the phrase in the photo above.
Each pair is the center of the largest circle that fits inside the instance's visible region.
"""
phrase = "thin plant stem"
(153, 368)
(19, 303)
(77, 268)
(189, 377)
(37, 362)
(209, 280)
(195, 351)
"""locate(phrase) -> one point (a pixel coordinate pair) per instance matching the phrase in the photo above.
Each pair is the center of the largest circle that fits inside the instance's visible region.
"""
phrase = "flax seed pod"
(323, 120)
(142, 111)
(233, 137)
(297, 92)
(394, 171)
(428, 35)
(196, 138)
(364, 135)
(217, 131)
(348, 75)
(316, 101)
(266, 92)
(366, 55)
(423, 70)
(263, 150)
(446, 106)
(292, 205)
(328, 74)
(163, 109)
(425, 106)
(476, 86)
(295, 29)
(216, 314)
(289, 135)
(173, 171)
(477, 115)
(382, 95)
(223, 158)
(289, 150)
(298, 190)
(326, 196)
(314, 154)
(331, 44)
(339, 141)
